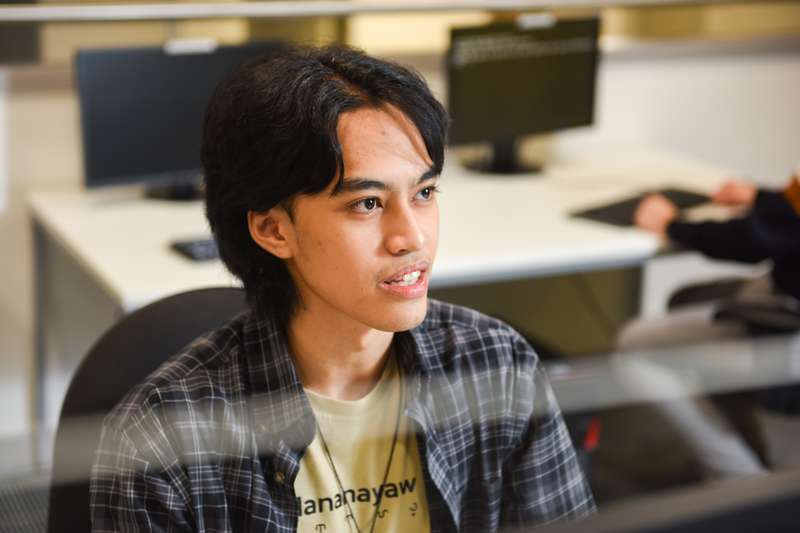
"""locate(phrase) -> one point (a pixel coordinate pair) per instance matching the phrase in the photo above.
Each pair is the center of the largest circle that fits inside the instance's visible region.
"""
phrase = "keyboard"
(621, 213)
(202, 249)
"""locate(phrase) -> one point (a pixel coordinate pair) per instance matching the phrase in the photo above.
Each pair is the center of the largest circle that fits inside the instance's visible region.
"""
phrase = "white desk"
(496, 228)
(492, 228)
(102, 254)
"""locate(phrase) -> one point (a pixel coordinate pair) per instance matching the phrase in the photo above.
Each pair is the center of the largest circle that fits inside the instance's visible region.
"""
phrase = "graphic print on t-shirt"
(401, 498)
(359, 435)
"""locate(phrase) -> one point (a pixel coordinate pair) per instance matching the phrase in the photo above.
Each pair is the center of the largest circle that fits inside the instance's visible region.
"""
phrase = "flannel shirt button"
(280, 478)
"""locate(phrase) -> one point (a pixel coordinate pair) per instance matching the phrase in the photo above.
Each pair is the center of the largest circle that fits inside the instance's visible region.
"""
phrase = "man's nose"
(404, 233)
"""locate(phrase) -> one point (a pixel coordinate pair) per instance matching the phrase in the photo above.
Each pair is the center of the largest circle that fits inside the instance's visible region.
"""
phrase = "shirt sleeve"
(732, 240)
(129, 493)
(542, 480)
(769, 230)
(776, 224)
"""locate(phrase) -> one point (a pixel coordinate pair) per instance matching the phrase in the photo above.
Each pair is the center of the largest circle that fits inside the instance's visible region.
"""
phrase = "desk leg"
(72, 311)
(37, 386)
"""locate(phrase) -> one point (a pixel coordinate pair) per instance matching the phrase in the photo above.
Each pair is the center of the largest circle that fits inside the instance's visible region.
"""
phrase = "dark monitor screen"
(506, 81)
(142, 109)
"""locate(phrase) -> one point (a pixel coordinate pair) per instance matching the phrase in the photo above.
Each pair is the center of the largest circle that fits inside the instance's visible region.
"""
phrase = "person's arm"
(770, 230)
(732, 240)
(776, 223)
(131, 493)
(542, 479)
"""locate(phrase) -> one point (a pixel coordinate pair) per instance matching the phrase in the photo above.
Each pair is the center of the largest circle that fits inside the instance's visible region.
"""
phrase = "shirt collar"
(282, 415)
(280, 409)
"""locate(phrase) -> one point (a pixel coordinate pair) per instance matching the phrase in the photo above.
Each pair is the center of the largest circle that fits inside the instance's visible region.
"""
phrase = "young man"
(345, 400)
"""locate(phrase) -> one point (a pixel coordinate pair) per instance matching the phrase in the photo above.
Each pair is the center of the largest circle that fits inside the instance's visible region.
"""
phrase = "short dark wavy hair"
(270, 134)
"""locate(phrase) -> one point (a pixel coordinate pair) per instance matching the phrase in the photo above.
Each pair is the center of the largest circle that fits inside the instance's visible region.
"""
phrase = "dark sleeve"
(773, 205)
(776, 225)
(732, 240)
(542, 479)
(770, 230)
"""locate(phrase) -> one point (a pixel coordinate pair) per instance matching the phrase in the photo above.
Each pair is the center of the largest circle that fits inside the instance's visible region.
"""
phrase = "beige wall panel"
(225, 31)
(60, 40)
(754, 19)
(306, 30)
(660, 22)
(419, 33)
(43, 126)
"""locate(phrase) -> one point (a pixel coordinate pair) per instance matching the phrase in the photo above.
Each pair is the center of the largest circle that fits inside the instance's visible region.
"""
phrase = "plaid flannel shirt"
(212, 441)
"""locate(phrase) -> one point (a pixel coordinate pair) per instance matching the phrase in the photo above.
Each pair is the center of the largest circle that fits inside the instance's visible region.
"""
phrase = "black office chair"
(705, 292)
(781, 315)
(123, 357)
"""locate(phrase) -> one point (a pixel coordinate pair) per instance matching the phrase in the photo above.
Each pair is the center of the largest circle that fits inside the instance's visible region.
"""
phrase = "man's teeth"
(408, 279)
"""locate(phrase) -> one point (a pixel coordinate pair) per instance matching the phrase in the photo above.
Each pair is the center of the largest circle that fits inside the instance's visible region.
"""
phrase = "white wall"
(739, 110)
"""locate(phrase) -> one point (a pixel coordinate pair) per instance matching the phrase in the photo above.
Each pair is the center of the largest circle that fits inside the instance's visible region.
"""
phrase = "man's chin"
(403, 317)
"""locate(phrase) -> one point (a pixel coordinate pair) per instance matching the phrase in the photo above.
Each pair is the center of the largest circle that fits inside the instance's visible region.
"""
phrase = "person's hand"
(735, 193)
(654, 213)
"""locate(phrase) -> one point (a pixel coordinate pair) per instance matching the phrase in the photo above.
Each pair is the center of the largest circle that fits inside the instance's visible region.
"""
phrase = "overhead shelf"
(287, 9)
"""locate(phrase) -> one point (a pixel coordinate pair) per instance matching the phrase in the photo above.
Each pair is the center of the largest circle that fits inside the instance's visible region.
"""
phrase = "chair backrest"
(123, 357)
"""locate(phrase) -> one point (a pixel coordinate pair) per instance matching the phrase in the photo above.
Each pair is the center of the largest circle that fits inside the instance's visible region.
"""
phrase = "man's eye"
(366, 205)
(427, 192)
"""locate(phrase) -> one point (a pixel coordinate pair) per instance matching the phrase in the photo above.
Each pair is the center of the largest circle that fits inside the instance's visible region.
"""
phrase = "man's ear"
(271, 230)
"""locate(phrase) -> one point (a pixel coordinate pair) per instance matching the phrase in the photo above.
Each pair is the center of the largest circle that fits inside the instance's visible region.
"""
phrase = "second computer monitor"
(506, 81)
(142, 110)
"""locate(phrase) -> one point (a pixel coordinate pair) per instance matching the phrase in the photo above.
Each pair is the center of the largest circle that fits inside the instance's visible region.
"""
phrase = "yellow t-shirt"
(359, 436)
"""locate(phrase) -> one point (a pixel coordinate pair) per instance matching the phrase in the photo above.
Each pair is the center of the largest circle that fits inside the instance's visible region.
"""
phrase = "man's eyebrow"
(429, 174)
(363, 184)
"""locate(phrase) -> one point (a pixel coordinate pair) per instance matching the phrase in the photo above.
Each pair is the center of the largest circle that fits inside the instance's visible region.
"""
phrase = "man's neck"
(336, 360)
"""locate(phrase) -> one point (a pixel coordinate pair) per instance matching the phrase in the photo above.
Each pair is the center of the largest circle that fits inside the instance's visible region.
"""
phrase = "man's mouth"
(408, 275)
(408, 282)
(406, 279)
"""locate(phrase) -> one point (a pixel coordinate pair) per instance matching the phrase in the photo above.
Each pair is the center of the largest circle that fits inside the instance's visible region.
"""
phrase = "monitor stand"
(504, 159)
(175, 192)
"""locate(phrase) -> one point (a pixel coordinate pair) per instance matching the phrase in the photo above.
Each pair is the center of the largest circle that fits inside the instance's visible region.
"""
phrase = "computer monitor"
(142, 112)
(509, 80)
